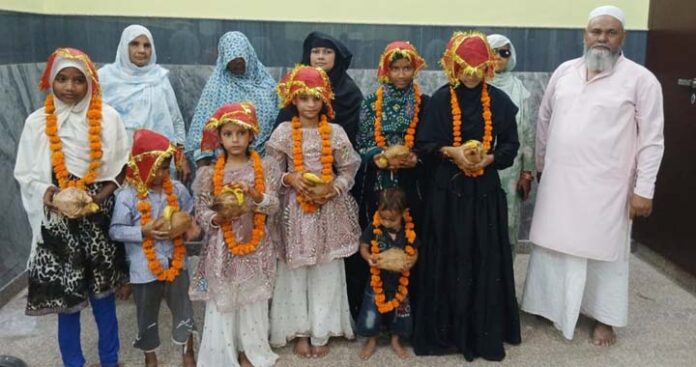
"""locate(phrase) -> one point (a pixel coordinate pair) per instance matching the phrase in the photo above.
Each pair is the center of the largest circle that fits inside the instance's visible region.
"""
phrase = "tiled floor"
(661, 332)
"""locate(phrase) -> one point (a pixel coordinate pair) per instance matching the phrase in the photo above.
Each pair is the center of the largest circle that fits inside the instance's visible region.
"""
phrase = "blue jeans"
(104, 310)
(370, 321)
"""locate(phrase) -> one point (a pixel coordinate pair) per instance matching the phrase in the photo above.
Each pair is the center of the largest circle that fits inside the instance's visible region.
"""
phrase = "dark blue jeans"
(104, 310)
(370, 321)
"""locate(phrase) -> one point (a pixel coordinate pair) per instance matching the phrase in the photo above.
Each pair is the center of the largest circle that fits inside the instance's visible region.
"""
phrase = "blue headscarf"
(255, 85)
(143, 95)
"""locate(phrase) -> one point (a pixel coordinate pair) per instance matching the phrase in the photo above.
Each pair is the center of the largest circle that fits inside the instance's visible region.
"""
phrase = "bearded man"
(599, 147)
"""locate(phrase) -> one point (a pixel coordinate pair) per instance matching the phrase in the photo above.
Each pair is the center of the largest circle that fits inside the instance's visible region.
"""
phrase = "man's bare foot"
(369, 348)
(319, 351)
(244, 361)
(188, 358)
(399, 349)
(603, 335)
(302, 348)
(150, 359)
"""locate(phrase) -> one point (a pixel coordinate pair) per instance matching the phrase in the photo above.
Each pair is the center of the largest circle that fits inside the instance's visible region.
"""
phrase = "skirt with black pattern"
(75, 260)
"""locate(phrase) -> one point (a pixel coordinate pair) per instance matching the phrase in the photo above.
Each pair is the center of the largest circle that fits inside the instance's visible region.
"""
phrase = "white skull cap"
(610, 10)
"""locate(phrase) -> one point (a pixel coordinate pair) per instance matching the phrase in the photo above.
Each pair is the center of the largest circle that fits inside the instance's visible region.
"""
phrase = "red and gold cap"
(74, 55)
(239, 113)
(149, 151)
(306, 80)
(398, 49)
(468, 53)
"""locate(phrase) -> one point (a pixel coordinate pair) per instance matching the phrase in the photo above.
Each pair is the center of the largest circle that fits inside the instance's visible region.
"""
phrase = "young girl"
(386, 297)
(389, 117)
(238, 76)
(76, 142)
(319, 221)
(236, 271)
(466, 290)
(331, 55)
(156, 254)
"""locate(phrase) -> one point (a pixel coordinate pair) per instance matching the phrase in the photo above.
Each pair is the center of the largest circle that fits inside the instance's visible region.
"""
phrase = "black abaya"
(466, 300)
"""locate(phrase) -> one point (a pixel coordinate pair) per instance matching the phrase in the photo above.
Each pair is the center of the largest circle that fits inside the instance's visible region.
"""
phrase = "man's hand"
(639, 206)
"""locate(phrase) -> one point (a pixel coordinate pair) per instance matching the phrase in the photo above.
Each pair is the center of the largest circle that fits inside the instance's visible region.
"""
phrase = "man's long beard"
(600, 59)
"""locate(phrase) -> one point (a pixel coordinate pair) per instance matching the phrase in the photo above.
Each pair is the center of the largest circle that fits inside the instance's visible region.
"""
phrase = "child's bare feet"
(319, 351)
(369, 348)
(150, 359)
(188, 358)
(603, 335)
(399, 349)
(244, 361)
(302, 348)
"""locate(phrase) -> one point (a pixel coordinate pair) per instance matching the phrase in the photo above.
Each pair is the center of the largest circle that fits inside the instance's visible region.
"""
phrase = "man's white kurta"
(598, 141)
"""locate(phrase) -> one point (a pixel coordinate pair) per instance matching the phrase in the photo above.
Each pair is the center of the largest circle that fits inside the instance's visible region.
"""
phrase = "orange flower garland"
(410, 131)
(144, 207)
(241, 249)
(326, 156)
(94, 117)
(487, 119)
(384, 306)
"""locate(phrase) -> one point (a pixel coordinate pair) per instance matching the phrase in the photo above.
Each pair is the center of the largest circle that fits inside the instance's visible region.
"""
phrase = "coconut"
(396, 151)
(393, 259)
(74, 203)
(179, 224)
(228, 205)
(473, 151)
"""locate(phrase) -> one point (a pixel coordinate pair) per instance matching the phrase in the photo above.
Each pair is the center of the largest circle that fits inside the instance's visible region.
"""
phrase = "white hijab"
(143, 95)
(33, 170)
(505, 80)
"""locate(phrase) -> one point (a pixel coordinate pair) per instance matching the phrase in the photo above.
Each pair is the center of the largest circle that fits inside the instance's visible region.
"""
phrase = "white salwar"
(225, 334)
(310, 301)
(559, 287)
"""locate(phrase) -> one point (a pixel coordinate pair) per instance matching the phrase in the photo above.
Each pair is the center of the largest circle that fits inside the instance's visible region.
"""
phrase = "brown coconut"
(320, 190)
(473, 151)
(179, 224)
(393, 259)
(228, 206)
(396, 151)
(74, 203)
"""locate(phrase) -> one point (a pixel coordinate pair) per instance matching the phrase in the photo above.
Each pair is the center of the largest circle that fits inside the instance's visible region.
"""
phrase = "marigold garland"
(410, 131)
(144, 207)
(326, 156)
(94, 118)
(457, 122)
(241, 249)
(384, 306)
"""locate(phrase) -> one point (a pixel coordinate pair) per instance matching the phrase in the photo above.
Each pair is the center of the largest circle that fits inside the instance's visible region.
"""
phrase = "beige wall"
(516, 13)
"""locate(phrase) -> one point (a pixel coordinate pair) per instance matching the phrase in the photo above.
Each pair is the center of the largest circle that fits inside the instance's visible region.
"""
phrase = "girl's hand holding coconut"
(319, 192)
(230, 204)
(396, 157)
(71, 202)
